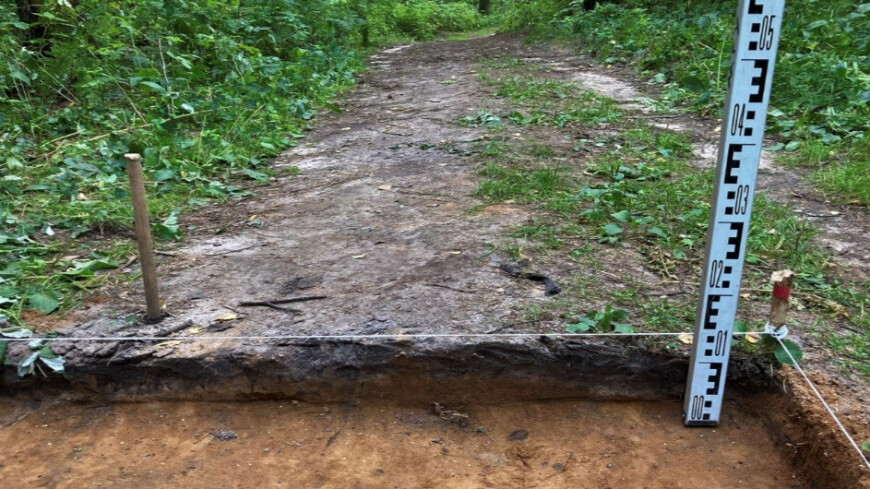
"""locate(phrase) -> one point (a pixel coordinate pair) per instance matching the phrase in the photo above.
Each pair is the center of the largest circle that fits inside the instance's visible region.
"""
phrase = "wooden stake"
(782, 285)
(143, 237)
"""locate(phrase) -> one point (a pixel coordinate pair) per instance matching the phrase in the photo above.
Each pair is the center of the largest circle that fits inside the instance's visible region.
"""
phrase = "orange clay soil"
(270, 444)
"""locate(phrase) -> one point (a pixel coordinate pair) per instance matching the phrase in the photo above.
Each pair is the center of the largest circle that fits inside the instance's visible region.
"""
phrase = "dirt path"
(378, 220)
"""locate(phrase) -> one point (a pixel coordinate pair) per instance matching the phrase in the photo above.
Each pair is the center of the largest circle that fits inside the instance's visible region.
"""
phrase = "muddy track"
(377, 221)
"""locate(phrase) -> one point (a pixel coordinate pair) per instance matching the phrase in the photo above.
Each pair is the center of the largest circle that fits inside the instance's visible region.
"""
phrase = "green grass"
(635, 186)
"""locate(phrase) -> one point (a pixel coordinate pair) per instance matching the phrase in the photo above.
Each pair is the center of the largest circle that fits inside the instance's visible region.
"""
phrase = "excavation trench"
(532, 412)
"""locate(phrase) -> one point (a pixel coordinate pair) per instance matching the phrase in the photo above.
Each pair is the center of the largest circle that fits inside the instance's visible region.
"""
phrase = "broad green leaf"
(582, 325)
(256, 175)
(622, 328)
(26, 365)
(55, 364)
(16, 333)
(621, 216)
(612, 229)
(44, 302)
(163, 175)
(156, 87)
(866, 446)
(694, 84)
(4, 345)
(657, 231)
(782, 355)
(168, 229)
(620, 314)
(14, 163)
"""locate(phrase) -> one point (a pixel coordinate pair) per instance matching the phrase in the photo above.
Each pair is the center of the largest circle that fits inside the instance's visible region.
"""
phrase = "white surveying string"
(825, 403)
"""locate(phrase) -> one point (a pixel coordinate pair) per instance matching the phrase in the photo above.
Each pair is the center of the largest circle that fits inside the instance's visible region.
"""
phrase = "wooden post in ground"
(782, 285)
(143, 237)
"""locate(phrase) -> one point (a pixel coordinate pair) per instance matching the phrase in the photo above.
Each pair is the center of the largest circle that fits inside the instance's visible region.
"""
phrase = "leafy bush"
(822, 85)
(205, 90)
(821, 89)
(419, 19)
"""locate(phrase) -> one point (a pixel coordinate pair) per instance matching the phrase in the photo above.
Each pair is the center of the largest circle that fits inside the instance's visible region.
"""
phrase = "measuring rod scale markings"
(755, 41)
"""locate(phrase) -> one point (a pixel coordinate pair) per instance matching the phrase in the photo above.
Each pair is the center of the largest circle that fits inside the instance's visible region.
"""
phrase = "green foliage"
(822, 87)
(418, 19)
(540, 17)
(821, 94)
(206, 91)
(40, 356)
(608, 321)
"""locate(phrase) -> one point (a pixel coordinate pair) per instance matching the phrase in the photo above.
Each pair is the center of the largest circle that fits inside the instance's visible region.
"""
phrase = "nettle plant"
(40, 357)
(608, 321)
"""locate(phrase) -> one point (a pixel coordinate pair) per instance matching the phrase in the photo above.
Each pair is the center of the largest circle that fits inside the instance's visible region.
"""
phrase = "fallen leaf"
(230, 316)
(252, 217)
(385, 187)
(345, 129)
(168, 343)
(455, 252)
(835, 213)
(196, 330)
(359, 257)
(746, 295)
(753, 338)
(686, 338)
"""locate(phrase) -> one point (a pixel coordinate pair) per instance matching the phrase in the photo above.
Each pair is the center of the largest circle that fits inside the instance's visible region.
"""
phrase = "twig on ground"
(464, 291)
(286, 300)
(298, 298)
(174, 329)
(269, 305)
(229, 252)
(17, 419)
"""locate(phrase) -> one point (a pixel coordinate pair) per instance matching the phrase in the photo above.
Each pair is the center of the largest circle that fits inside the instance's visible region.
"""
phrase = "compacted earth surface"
(377, 217)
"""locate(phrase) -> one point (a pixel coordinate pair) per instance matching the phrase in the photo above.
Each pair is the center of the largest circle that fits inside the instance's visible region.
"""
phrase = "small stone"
(224, 435)
(518, 435)
(437, 440)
